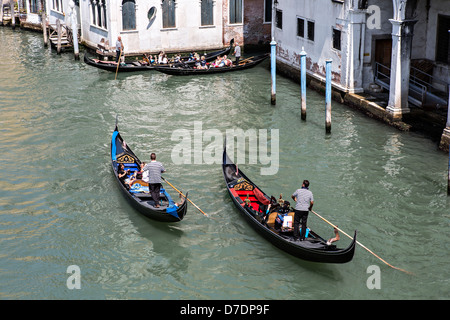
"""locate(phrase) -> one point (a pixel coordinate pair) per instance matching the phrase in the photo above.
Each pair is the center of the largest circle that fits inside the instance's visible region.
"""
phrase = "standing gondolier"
(119, 48)
(304, 202)
(237, 53)
(154, 168)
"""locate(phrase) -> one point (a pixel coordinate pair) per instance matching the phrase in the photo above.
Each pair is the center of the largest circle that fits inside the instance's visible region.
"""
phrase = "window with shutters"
(168, 13)
(207, 12)
(443, 39)
(128, 15)
(235, 7)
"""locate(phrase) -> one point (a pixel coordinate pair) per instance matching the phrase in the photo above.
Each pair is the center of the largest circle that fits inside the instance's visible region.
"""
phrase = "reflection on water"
(60, 205)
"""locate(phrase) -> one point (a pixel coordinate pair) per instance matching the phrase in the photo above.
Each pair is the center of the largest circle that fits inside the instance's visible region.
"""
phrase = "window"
(207, 12)
(336, 39)
(235, 11)
(279, 19)
(33, 6)
(443, 38)
(300, 27)
(267, 10)
(128, 15)
(168, 12)
(311, 30)
(57, 5)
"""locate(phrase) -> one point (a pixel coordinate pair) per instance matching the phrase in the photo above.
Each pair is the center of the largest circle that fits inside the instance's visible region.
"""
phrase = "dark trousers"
(300, 217)
(154, 191)
(236, 62)
(117, 56)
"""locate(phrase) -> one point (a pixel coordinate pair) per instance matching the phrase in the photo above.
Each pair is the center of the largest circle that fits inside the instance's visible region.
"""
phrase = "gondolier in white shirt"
(154, 170)
(304, 202)
(237, 53)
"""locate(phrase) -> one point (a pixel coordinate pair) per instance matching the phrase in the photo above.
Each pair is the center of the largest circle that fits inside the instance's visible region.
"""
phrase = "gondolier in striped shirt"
(154, 169)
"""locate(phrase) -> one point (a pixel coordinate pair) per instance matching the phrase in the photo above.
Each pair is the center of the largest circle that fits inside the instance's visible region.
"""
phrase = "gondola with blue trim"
(137, 193)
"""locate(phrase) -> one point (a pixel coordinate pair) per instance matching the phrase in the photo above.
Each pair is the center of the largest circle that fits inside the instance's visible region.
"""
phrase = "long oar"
(184, 196)
(240, 61)
(359, 243)
(118, 63)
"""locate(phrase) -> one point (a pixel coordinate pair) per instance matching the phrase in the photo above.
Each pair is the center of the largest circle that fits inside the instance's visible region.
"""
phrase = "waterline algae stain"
(60, 205)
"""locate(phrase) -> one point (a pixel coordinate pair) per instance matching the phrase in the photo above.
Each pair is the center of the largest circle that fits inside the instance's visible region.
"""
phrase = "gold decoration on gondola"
(125, 158)
(243, 185)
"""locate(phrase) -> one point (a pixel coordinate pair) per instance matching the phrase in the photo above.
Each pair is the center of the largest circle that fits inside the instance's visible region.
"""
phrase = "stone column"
(355, 49)
(402, 34)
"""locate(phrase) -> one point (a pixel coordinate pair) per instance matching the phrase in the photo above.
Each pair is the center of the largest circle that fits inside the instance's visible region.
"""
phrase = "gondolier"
(237, 53)
(154, 169)
(304, 202)
(119, 48)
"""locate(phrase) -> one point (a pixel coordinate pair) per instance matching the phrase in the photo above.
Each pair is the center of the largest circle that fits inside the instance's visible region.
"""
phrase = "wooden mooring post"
(328, 96)
(303, 82)
(74, 30)
(44, 28)
(59, 34)
(273, 68)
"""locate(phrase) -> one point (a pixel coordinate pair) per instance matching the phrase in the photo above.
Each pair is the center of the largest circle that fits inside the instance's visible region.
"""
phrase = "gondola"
(112, 65)
(192, 70)
(137, 66)
(137, 192)
(253, 203)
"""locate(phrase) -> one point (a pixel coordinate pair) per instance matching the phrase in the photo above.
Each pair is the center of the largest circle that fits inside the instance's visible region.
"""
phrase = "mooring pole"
(74, 30)
(59, 32)
(44, 28)
(328, 96)
(273, 68)
(13, 14)
(303, 81)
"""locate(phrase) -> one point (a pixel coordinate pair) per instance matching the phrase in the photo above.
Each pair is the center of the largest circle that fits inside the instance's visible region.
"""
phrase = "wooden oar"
(359, 243)
(118, 63)
(240, 61)
(184, 196)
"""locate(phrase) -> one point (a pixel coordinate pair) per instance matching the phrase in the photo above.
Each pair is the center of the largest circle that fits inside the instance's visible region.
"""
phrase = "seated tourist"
(203, 63)
(145, 59)
(228, 62)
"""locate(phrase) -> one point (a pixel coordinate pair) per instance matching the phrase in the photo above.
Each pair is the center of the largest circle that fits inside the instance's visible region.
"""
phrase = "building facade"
(399, 45)
(165, 25)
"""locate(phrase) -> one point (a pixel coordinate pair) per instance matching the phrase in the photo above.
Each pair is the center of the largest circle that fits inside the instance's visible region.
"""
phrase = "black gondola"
(137, 192)
(136, 66)
(191, 70)
(252, 203)
(112, 65)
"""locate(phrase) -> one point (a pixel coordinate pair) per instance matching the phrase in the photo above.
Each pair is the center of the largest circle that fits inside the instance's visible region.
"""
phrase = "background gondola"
(138, 66)
(190, 70)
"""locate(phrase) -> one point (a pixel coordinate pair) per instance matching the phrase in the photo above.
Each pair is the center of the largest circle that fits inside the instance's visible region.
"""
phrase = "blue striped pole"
(303, 81)
(273, 68)
(328, 96)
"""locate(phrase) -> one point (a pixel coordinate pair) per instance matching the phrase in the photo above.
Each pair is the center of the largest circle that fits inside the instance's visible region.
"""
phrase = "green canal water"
(60, 206)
